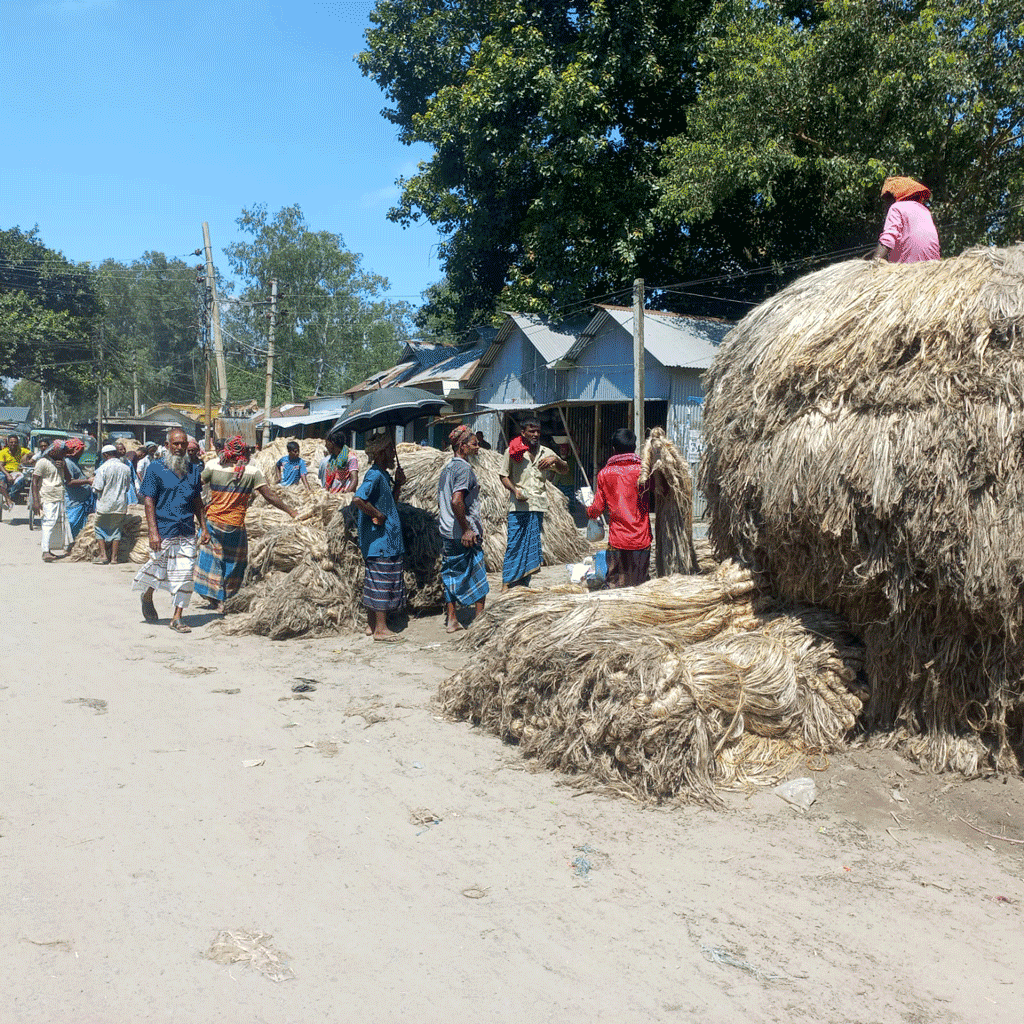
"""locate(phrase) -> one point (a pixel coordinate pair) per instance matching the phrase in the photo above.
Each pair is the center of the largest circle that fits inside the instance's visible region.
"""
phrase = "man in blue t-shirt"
(172, 492)
(380, 537)
(291, 469)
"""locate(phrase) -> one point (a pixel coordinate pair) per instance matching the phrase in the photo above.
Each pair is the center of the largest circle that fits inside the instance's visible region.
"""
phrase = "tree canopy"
(333, 328)
(49, 314)
(576, 146)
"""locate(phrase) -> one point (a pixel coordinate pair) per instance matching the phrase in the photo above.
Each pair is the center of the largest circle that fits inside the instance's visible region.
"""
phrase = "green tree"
(546, 120)
(150, 328)
(333, 329)
(800, 120)
(49, 315)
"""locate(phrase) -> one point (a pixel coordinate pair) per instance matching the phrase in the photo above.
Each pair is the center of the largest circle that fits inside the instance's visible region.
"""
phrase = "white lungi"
(54, 527)
(170, 569)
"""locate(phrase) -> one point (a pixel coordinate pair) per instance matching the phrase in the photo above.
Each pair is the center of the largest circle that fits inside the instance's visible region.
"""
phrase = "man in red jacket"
(629, 513)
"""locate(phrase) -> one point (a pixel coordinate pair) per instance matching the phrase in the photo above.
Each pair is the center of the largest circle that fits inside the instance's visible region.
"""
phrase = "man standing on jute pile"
(463, 572)
(527, 467)
(629, 513)
(909, 234)
(172, 494)
(380, 538)
(111, 484)
(48, 495)
(223, 544)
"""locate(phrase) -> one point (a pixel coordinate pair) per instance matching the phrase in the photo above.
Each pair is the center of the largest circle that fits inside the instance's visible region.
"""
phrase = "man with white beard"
(172, 495)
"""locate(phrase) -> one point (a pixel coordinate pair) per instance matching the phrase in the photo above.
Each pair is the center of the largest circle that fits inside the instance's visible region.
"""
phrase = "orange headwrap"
(902, 189)
(74, 446)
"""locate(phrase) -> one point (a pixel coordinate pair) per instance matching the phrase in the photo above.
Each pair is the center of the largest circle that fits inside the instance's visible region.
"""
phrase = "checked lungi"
(463, 573)
(54, 526)
(384, 584)
(523, 555)
(220, 569)
(170, 569)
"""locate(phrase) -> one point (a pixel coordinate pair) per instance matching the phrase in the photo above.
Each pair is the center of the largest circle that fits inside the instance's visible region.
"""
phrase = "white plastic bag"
(801, 793)
(595, 531)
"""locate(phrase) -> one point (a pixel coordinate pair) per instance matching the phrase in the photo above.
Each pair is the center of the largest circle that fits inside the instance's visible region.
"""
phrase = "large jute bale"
(668, 690)
(134, 546)
(560, 539)
(662, 466)
(306, 581)
(866, 453)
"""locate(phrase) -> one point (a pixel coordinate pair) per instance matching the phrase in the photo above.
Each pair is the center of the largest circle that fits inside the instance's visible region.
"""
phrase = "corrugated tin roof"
(552, 341)
(14, 413)
(457, 367)
(682, 342)
(384, 379)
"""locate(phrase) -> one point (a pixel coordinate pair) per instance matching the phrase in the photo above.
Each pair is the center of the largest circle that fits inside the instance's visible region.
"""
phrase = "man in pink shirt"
(629, 513)
(909, 234)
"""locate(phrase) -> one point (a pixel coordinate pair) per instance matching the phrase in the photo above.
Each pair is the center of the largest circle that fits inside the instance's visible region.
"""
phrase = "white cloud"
(386, 196)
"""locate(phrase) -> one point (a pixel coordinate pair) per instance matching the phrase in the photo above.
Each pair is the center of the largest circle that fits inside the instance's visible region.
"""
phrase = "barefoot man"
(172, 493)
(380, 537)
(463, 573)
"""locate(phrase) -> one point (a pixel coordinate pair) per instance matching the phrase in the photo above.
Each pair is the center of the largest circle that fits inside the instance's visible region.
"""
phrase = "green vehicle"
(88, 459)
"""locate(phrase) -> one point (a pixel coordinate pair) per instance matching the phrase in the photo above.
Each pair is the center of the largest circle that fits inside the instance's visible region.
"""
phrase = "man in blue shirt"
(380, 537)
(291, 469)
(172, 494)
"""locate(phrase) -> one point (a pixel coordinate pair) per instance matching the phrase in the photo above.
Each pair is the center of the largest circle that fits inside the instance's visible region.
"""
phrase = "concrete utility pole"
(211, 283)
(638, 361)
(99, 393)
(269, 395)
(135, 384)
(204, 340)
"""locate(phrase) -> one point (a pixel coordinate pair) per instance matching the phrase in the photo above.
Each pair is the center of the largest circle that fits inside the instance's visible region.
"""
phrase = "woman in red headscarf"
(223, 544)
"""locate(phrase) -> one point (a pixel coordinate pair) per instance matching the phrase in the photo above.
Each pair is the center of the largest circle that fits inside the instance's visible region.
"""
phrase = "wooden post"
(597, 435)
(572, 445)
(638, 361)
(211, 283)
(269, 393)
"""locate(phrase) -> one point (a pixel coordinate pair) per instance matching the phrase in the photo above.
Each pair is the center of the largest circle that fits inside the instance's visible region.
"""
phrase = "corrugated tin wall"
(686, 426)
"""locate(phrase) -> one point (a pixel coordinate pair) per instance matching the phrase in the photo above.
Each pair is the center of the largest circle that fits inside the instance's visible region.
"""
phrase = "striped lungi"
(523, 555)
(220, 568)
(54, 526)
(463, 573)
(384, 584)
(170, 569)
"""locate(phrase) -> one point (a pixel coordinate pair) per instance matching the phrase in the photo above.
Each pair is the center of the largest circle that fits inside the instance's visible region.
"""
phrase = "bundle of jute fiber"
(663, 466)
(316, 507)
(668, 690)
(560, 540)
(322, 592)
(134, 546)
(310, 448)
(866, 453)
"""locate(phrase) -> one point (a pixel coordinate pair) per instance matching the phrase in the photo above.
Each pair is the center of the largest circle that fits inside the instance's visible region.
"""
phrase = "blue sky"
(130, 122)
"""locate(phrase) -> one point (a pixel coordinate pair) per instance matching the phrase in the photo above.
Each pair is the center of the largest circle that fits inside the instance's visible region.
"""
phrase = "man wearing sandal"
(172, 493)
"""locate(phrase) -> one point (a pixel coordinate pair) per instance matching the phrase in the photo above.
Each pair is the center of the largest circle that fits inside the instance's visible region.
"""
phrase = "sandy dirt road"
(412, 869)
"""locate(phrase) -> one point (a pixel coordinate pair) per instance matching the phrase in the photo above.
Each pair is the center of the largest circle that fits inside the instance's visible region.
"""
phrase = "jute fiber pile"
(663, 465)
(560, 540)
(134, 546)
(668, 690)
(307, 580)
(866, 454)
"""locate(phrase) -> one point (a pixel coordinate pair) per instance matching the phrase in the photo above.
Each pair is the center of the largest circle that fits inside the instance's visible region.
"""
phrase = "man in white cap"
(111, 483)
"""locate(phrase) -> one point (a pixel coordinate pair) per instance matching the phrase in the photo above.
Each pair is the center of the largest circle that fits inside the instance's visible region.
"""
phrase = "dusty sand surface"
(160, 789)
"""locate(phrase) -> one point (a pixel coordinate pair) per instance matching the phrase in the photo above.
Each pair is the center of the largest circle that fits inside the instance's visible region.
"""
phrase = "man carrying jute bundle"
(172, 494)
(463, 572)
(527, 467)
(909, 234)
(380, 537)
(629, 513)
(223, 543)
